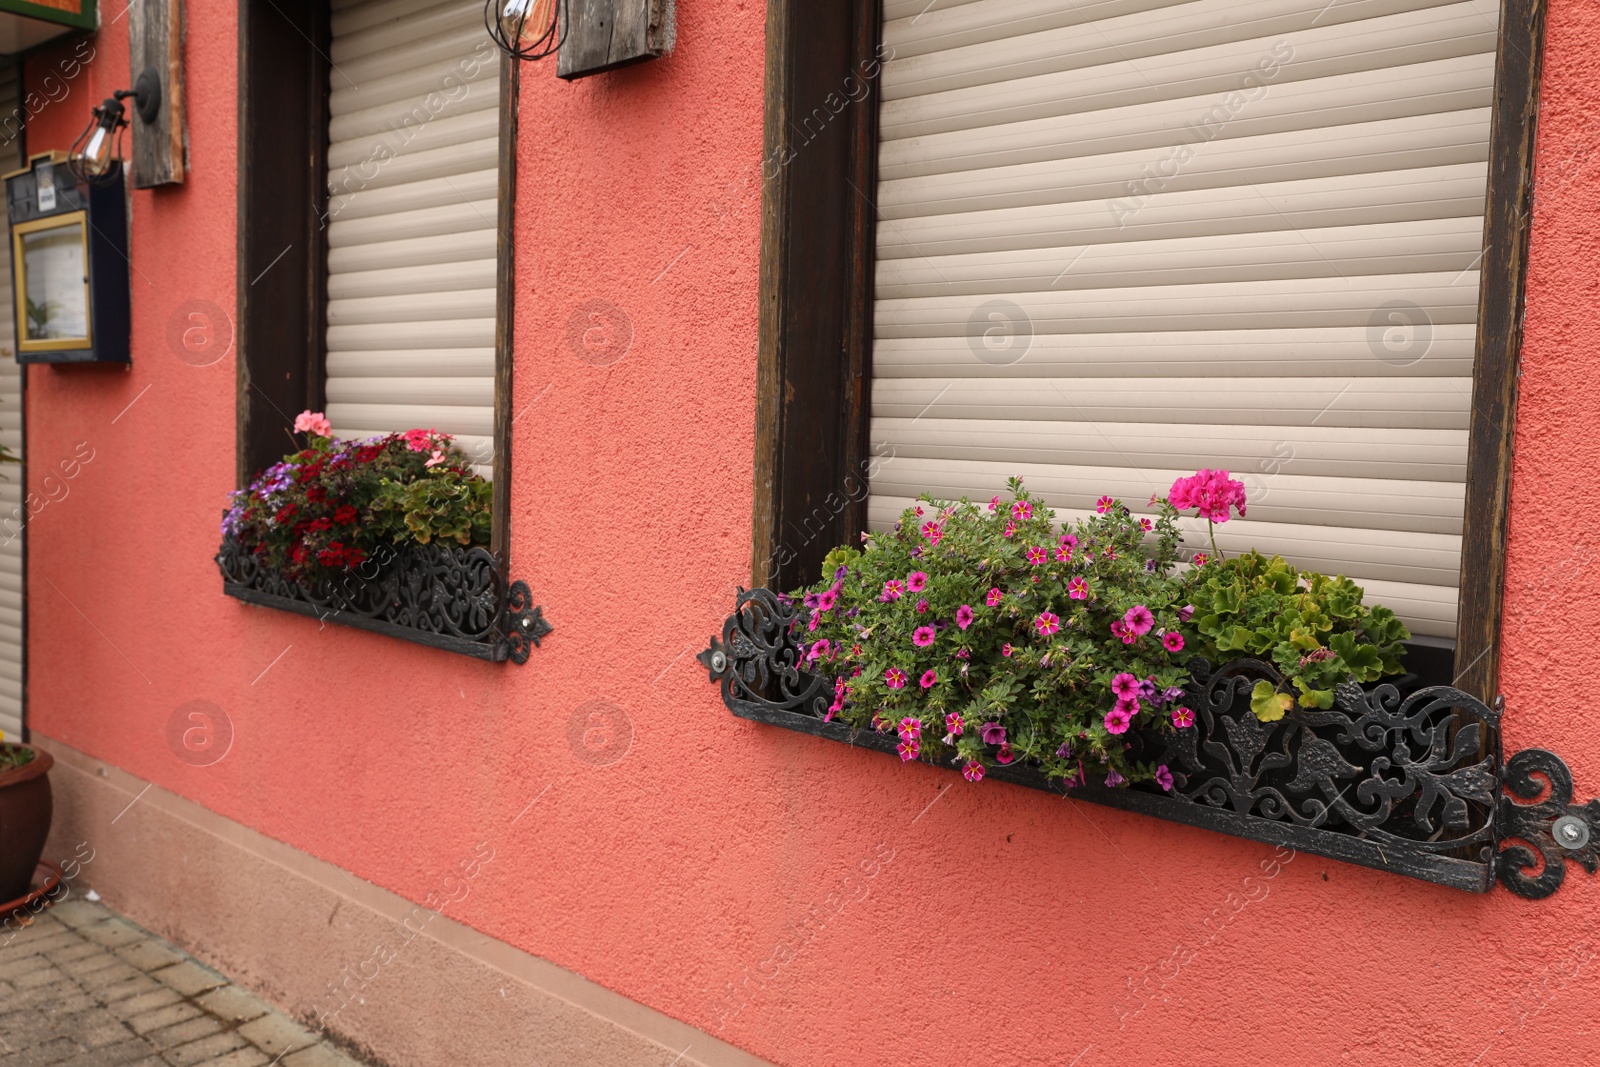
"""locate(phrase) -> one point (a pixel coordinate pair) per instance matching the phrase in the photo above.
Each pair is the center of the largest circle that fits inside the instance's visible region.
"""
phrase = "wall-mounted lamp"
(526, 29)
(100, 143)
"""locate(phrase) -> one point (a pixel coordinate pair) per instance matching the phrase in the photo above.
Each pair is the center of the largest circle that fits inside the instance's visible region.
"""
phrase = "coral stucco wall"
(811, 903)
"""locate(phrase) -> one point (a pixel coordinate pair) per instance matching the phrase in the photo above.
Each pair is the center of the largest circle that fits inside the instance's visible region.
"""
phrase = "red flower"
(317, 494)
(321, 524)
(345, 515)
(286, 513)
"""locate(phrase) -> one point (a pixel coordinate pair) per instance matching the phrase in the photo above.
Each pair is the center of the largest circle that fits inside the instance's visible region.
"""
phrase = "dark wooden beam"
(813, 367)
(282, 261)
(1507, 224)
(155, 42)
(505, 308)
(602, 35)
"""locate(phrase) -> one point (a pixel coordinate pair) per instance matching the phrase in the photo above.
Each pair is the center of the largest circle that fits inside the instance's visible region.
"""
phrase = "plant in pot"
(25, 810)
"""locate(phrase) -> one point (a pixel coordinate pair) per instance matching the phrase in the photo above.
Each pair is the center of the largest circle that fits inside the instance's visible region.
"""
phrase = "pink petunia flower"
(993, 598)
(1138, 620)
(1164, 777)
(932, 531)
(910, 727)
(891, 590)
(992, 733)
(1022, 511)
(964, 616)
(437, 458)
(1172, 641)
(1146, 525)
(894, 678)
(1186, 613)
(1128, 704)
(1046, 623)
(1113, 779)
(922, 606)
(1199, 559)
(1118, 720)
(1010, 529)
(1063, 554)
(818, 650)
(923, 636)
(313, 422)
(1005, 755)
(1069, 542)
(1125, 685)
(909, 750)
(1077, 589)
(973, 771)
(953, 724)
(1006, 649)
(1182, 717)
(827, 599)
(916, 581)
(929, 678)
(1103, 505)
(1037, 555)
(994, 504)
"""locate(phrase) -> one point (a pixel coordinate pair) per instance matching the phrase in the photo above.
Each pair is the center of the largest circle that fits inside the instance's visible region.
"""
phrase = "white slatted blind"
(12, 513)
(1226, 233)
(413, 185)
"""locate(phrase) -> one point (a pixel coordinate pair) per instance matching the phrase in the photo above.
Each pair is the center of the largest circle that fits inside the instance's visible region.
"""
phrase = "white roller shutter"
(413, 182)
(1120, 240)
(12, 513)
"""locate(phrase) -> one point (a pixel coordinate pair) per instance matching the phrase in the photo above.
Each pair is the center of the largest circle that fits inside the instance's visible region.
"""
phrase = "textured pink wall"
(814, 904)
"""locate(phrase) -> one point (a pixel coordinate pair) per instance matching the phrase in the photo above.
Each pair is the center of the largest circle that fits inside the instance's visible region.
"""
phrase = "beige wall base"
(287, 924)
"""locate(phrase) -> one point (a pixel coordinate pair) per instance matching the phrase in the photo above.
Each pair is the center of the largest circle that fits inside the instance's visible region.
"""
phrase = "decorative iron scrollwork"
(1412, 783)
(1557, 828)
(444, 596)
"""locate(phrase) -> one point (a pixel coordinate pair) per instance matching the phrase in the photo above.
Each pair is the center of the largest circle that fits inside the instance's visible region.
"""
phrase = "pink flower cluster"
(1213, 492)
(910, 731)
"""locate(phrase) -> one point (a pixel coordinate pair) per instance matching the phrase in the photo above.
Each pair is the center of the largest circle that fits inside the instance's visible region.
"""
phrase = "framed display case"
(69, 264)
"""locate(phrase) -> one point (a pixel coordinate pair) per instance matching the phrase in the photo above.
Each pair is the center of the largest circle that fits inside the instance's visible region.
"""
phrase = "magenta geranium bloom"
(993, 597)
(1077, 589)
(929, 678)
(1182, 717)
(1118, 720)
(1211, 492)
(964, 616)
(973, 771)
(1138, 620)
(1164, 777)
(1046, 623)
(1022, 511)
(992, 733)
(1172, 641)
(894, 678)
(916, 581)
(923, 636)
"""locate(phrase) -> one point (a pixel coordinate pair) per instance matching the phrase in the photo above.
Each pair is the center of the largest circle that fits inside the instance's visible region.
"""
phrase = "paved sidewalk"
(83, 987)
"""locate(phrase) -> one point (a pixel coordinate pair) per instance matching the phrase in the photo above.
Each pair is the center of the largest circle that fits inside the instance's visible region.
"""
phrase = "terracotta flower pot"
(25, 810)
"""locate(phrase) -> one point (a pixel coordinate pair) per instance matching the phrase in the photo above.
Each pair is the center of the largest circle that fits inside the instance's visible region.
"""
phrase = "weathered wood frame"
(155, 40)
(814, 368)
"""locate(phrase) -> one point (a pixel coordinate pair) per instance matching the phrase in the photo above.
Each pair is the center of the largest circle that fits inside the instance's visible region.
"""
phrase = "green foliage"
(1313, 628)
(1004, 641)
(327, 507)
(13, 756)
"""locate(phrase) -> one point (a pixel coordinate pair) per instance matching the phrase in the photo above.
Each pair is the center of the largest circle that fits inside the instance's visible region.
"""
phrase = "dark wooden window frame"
(282, 239)
(814, 371)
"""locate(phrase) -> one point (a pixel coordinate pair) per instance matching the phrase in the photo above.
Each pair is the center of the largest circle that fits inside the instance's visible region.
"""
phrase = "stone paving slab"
(81, 986)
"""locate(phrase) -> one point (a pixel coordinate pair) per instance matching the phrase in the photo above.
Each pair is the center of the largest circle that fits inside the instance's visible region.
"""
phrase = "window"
(376, 174)
(1100, 245)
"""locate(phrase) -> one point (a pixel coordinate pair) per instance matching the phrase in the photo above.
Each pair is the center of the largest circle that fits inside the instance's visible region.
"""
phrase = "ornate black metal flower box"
(443, 596)
(1414, 784)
